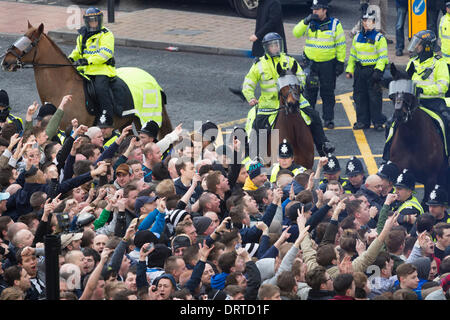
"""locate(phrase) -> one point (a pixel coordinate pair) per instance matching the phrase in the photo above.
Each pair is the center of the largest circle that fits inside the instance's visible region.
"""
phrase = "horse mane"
(55, 46)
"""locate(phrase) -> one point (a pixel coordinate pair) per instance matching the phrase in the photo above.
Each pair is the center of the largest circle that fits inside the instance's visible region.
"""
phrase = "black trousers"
(327, 83)
(368, 97)
(102, 90)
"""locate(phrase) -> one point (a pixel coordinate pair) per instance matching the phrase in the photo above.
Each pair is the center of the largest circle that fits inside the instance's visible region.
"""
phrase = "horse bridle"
(24, 45)
(295, 93)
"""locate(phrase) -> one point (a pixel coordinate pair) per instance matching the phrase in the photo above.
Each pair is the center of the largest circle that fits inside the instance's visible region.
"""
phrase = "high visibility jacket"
(276, 168)
(444, 35)
(17, 121)
(111, 139)
(99, 49)
(264, 72)
(369, 49)
(326, 42)
(409, 204)
(431, 75)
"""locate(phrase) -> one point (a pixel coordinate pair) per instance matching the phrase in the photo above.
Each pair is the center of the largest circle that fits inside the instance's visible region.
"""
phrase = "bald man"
(13, 229)
(372, 190)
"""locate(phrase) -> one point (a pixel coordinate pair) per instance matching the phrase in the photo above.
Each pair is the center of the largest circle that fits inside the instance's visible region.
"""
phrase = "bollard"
(111, 11)
(52, 245)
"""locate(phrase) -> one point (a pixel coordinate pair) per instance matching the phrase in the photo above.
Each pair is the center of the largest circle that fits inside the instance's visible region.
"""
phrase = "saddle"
(120, 93)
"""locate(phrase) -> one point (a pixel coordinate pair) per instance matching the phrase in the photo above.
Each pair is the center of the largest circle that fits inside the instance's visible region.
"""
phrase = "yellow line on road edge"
(360, 137)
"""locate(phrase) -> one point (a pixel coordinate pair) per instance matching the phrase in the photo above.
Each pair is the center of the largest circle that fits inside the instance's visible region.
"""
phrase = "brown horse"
(56, 77)
(416, 144)
(289, 122)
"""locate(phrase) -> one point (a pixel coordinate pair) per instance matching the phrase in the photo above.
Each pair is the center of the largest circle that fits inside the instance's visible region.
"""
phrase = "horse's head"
(289, 88)
(23, 51)
(402, 92)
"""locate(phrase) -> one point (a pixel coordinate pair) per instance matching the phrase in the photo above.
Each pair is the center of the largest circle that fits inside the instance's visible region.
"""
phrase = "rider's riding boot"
(387, 147)
(323, 145)
(238, 92)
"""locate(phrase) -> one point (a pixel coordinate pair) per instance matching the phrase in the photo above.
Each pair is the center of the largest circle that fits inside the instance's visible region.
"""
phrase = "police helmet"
(426, 38)
(270, 43)
(93, 15)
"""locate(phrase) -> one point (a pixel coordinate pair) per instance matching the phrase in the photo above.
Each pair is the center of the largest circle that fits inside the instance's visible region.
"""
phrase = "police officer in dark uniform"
(332, 171)
(5, 115)
(354, 171)
(109, 134)
(437, 204)
(149, 133)
(285, 161)
(388, 173)
(406, 204)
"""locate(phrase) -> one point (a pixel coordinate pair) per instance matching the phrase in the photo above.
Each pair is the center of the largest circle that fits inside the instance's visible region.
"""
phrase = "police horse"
(416, 143)
(288, 121)
(56, 77)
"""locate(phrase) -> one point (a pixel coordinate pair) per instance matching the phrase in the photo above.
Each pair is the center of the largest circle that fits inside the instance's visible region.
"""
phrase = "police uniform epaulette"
(437, 57)
(104, 30)
(256, 60)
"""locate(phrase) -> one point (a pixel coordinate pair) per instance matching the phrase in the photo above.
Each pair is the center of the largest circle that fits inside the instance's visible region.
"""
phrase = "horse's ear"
(279, 69)
(29, 25)
(394, 71)
(294, 68)
(411, 70)
(41, 28)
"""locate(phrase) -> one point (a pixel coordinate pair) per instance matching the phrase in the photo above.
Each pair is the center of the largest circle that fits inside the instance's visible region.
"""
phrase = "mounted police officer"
(285, 161)
(354, 171)
(264, 72)
(332, 171)
(94, 57)
(431, 78)
(407, 204)
(325, 49)
(367, 61)
(437, 204)
(5, 115)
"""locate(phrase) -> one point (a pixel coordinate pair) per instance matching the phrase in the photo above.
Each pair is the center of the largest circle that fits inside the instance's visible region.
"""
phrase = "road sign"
(417, 16)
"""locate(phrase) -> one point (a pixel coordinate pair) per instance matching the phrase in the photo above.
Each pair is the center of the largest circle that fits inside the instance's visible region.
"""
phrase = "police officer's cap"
(210, 129)
(45, 110)
(438, 197)
(447, 4)
(319, 4)
(354, 167)
(332, 165)
(4, 99)
(388, 171)
(151, 129)
(406, 180)
(285, 150)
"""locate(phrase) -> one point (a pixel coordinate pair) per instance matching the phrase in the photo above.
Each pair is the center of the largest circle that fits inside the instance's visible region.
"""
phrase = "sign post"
(417, 16)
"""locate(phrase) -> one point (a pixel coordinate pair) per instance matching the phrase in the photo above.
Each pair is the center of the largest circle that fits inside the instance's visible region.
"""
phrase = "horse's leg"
(166, 125)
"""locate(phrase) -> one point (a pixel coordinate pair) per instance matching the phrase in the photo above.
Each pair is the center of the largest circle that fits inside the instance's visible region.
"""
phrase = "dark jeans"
(400, 28)
(368, 97)
(327, 83)
(102, 90)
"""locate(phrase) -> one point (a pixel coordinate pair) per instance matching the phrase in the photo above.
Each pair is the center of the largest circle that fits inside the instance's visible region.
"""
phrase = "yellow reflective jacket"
(98, 50)
(444, 35)
(324, 44)
(435, 85)
(264, 72)
(368, 49)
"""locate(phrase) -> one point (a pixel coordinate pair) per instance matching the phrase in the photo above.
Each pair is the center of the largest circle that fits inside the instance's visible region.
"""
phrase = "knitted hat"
(181, 241)
(175, 216)
(45, 110)
(255, 169)
(144, 236)
(201, 224)
(158, 256)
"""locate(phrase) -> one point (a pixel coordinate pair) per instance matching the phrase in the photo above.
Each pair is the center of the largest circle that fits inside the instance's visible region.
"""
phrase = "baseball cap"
(67, 238)
(140, 201)
(123, 168)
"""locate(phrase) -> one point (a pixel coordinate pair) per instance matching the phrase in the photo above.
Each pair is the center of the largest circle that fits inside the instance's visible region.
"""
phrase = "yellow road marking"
(360, 137)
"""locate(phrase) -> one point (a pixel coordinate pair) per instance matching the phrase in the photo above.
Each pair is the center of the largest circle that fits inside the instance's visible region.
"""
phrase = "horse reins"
(32, 64)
